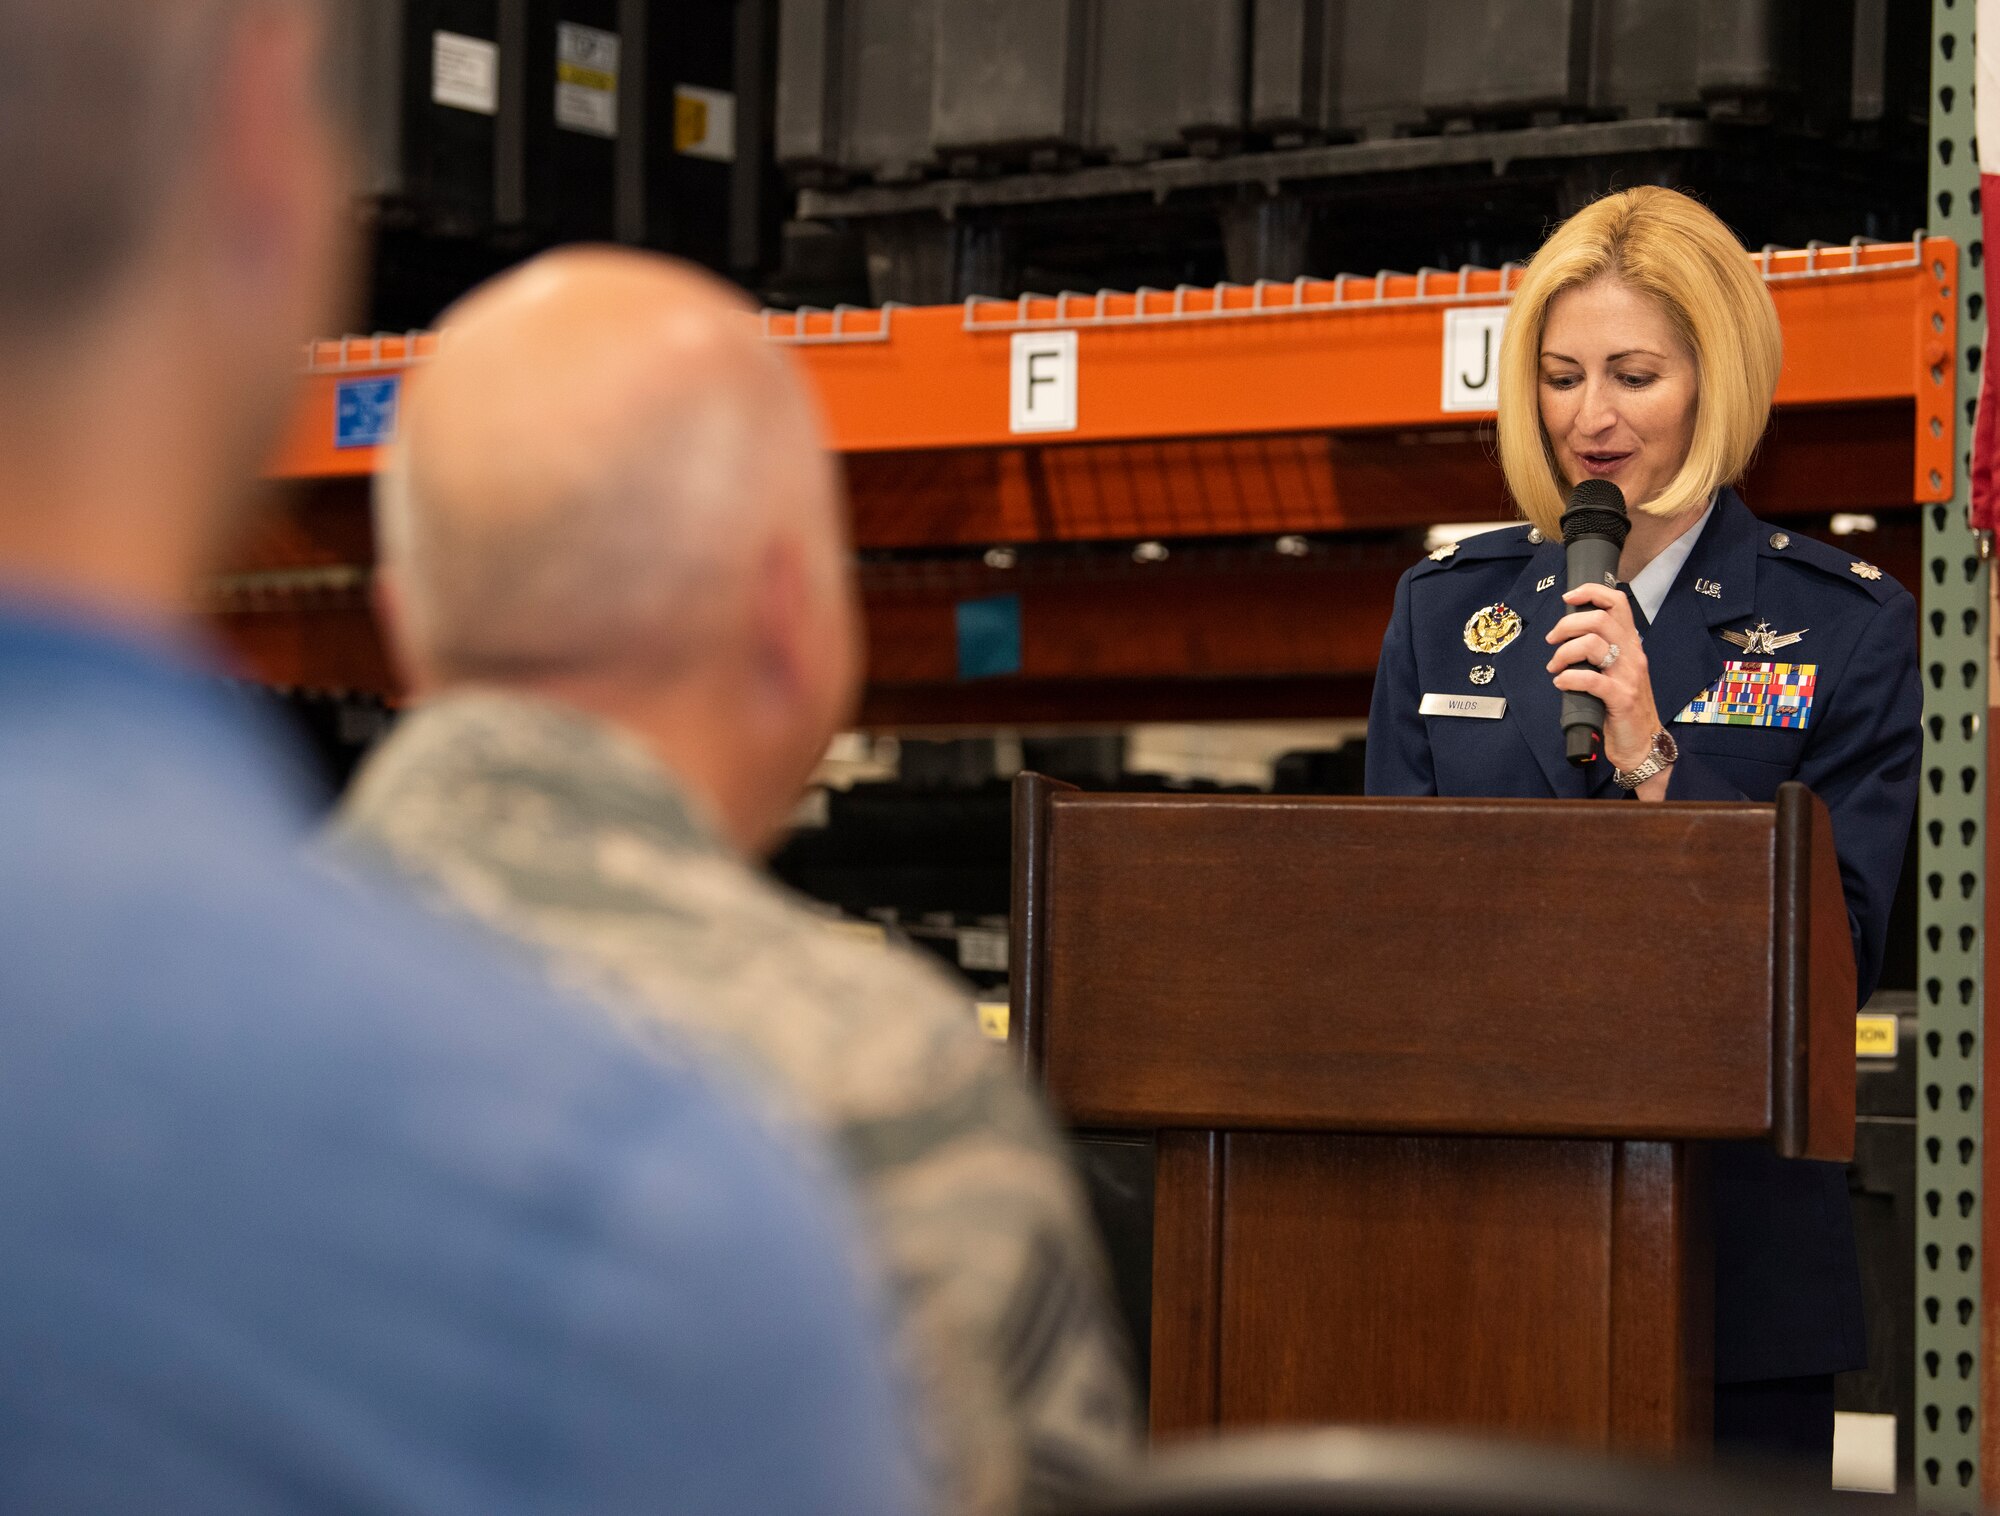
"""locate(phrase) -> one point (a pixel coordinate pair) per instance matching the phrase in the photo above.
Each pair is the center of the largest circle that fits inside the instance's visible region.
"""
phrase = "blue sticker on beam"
(364, 412)
(989, 637)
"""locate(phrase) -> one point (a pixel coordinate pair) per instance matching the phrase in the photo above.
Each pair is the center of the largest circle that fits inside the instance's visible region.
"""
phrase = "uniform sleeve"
(1865, 766)
(1011, 1340)
(1399, 744)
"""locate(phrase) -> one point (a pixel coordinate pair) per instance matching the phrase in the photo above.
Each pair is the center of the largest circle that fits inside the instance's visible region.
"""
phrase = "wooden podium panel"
(1506, 1286)
(1497, 967)
(1431, 1082)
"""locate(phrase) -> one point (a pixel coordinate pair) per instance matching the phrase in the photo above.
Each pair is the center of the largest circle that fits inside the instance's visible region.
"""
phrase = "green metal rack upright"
(1952, 847)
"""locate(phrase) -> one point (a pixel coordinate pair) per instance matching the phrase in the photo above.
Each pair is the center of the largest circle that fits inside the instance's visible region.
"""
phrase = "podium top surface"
(1490, 966)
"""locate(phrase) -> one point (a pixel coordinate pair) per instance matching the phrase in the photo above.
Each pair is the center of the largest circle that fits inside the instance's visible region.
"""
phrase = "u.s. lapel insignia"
(1492, 628)
(1546, 584)
(1760, 641)
(1865, 570)
(1709, 588)
(1482, 673)
(1444, 552)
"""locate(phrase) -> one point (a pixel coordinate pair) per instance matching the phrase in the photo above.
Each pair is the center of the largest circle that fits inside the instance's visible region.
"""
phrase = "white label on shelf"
(1044, 382)
(1472, 357)
(869, 933)
(981, 948)
(465, 73)
(1864, 1452)
(705, 123)
(586, 80)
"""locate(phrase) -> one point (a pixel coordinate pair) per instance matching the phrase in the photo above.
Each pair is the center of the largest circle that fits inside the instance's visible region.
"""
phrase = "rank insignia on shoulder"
(1444, 552)
(1491, 628)
(1865, 570)
(1760, 641)
(1756, 694)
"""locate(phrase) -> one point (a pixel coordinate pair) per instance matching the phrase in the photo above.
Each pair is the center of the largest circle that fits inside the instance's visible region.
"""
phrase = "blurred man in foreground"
(618, 571)
(309, 1206)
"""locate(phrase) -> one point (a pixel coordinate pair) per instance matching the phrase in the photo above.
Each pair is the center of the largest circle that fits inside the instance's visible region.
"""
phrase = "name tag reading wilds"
(1478, 707)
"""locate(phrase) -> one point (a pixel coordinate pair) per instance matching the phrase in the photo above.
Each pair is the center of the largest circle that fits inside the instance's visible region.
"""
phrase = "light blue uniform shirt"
(307, 1204)
(1651, 583)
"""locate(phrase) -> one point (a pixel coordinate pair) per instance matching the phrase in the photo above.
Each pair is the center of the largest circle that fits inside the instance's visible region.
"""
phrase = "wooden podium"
(1431, 1081)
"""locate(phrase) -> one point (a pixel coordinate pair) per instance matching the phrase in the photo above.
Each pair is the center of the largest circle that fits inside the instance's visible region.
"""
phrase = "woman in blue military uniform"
(1642, 347)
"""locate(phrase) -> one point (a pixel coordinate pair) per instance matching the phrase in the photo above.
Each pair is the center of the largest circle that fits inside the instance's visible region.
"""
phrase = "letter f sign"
(1044, 382)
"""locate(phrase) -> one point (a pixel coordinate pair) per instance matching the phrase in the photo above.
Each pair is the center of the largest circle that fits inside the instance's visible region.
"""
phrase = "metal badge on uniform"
(1478, 707)
(1756, 694)
(1760, 641)
(1546, 584)
(1709, 588)
(1482, 673)
(1492, 628)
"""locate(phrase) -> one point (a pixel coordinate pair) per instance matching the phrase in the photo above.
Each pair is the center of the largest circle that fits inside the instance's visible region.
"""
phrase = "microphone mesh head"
(1596, 509)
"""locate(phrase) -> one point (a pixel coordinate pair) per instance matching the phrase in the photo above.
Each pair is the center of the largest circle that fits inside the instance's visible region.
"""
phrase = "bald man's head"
(612, 492)
(593, 465)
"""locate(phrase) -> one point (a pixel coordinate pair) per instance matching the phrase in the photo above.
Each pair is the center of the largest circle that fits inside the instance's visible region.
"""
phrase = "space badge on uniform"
(1479, 707)
(1756, 694)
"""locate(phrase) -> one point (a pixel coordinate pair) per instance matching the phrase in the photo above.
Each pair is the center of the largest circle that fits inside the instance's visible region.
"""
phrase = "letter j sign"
(1472, 357)
(1044, 382)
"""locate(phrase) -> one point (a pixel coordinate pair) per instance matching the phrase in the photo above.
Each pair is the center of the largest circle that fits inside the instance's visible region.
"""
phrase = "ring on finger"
(1610, 657)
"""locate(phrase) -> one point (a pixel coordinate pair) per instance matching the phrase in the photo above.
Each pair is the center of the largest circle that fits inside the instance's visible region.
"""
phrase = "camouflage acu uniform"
(561, 833)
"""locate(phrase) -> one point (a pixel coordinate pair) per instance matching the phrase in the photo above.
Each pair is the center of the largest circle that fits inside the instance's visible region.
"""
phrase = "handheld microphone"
(1594, 530)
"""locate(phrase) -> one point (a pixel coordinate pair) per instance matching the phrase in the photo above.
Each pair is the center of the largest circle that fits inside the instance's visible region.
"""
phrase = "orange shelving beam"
(347, 405)
(1864, 323)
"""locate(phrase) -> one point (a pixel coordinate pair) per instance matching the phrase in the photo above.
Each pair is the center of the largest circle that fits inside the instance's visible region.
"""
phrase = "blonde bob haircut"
(1665, 245)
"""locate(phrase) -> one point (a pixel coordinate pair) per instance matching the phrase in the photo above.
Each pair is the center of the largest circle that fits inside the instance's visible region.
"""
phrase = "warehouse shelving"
(1865, 324)
(1210, 421)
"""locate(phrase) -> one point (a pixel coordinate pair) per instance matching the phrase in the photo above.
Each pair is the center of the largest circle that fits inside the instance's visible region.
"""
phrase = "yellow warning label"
(993, 1019)
(690, 122)
(586, 78)
(1875, 1036)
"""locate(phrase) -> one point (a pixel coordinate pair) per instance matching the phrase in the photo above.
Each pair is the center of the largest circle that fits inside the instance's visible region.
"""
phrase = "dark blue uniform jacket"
(1788, 1292)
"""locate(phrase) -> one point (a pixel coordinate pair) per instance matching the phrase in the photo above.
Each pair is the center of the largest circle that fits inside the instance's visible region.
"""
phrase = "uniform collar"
(468, 758)
(73, 666)
(1651, 583)
(41, 632)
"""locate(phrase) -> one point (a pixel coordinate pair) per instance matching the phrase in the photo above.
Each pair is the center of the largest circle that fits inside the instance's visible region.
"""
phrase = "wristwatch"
(1659, 758)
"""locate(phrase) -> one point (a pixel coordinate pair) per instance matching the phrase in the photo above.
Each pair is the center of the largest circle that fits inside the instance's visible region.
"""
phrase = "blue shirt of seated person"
(313, 1206)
